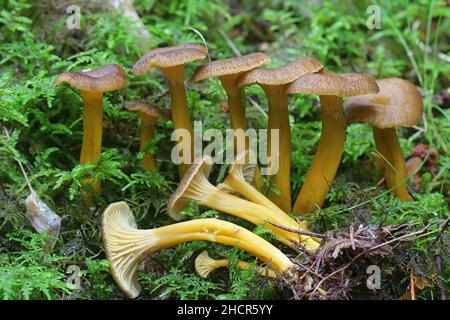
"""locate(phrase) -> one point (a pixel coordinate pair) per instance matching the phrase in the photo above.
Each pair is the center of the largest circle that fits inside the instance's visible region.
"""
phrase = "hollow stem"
(237, 114)
(144, 242)
(126, 246)
(179, 105)
(215, 230)
(252, 212)
(92, 131)
(249, 192)
(327, 159)
(235, 103)
(279, 119)
(243, 265)
(147, 129)
(387, 144)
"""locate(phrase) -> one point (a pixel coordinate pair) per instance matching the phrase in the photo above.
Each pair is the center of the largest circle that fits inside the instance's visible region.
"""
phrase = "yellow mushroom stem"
(147, 127)
(208, 195)
(179, 105)
(126, 246)
(92, 131)
(395, 169)
(327, 159)
(204, 265)
(236, 181)
(237, 114)
(235, 103)
(279, 119)
(213, 230)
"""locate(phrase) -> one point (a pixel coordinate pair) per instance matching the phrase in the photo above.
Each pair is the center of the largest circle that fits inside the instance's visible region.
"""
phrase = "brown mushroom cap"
(398, 103)
(170, 57)
(177, 202)
(326, 82)
(230, 66)
(148, 109)
(108, 78)
(282, 75)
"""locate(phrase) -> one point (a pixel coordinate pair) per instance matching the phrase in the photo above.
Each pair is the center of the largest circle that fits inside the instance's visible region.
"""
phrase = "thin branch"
(301, 232)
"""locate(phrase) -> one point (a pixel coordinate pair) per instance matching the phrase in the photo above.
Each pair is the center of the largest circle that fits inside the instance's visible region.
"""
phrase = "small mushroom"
(126, 246)
(149, 114)
(170, 61)
(274, 81)
(204, 265)
(195, 187)
(331, 88)
(398, 104)
(92, 84)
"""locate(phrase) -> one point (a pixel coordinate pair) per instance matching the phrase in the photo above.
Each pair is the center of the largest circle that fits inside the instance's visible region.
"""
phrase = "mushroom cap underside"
(398, 103)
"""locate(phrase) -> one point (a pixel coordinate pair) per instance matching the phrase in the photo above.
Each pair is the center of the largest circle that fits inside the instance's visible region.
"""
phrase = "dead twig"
(301, 232)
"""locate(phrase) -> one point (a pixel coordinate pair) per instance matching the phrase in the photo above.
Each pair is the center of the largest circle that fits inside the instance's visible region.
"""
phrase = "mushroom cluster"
(385, 104)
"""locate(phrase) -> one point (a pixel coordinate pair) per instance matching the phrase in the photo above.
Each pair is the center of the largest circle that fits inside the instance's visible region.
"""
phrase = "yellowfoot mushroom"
(92, 84)
(331, 88)
(195, 187)
(149, 114)
(398, 104)
(170, 61)
(204, 265)
(126, 246)
(274, 81)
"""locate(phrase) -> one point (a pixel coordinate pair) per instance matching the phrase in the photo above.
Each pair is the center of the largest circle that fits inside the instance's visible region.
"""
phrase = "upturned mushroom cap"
(118, 224)
(241, 168)
(282, 75)
(204, 265)
(398, 103)
(148, 109)
(108, 78)
(328, 83)
(197, 173)
(169, 57)
(232, 66)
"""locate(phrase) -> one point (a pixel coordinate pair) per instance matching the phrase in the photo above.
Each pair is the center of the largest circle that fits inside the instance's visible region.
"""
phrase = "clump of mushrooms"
(331, 88)
(126, 246)
(149, 114)
(204, 265)
(92, 84)
(398, 104)
(170, 61)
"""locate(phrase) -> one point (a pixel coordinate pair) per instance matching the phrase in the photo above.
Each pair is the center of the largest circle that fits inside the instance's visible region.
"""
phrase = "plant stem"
(215, 230)
(251, 193)
(237, 114)
(180, 113)
(328, 156)
(279, 120)
(92, 131)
